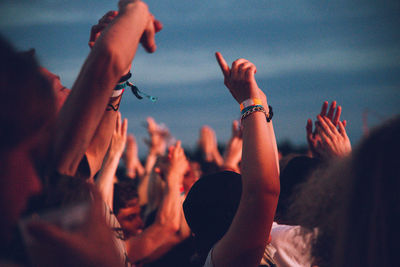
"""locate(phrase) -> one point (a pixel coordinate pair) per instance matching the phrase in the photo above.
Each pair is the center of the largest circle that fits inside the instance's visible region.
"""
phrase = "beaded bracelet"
(250, 102)
(259, 108)
(250, 107)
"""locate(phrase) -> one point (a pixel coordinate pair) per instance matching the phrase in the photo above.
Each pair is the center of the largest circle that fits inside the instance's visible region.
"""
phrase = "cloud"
(44, 12)
(185, 67)
(41, 12)
(178, 67)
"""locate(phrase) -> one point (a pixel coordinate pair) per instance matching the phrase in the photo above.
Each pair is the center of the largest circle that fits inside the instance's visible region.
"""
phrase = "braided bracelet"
(259, 108)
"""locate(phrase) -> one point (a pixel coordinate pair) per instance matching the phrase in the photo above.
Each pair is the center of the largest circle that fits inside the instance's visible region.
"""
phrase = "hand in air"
(178, 164)
(208, 143)
(158, 137)
(152, 26)
(333, 114)
(97, 29)
(118, 139)
(334, 142)
(233, 151)
(239, 78)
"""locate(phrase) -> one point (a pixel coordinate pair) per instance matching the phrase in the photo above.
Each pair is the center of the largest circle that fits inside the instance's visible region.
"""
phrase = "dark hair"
(27, 98)
(210, 207)
(369, 234)
(292, 176)
(355, 204)
(124, 191)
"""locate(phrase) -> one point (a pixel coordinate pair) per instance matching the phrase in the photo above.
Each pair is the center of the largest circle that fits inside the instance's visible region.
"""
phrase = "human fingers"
(242, 69)
(151, 125)
(95, 33)
(324, 108)
(331, 110)
(251, 70)
(235, 128)
(235, 70)
(108, 17)
(329, 123)
(323, 126)
(157, 25)
(344, 123)
(130, 138)
(309, 128)
(124, 128)
(342, 129)
(222, 64)
(324, 137)
(118, 122)
(102, 24)
(336, 118)
(148, 38)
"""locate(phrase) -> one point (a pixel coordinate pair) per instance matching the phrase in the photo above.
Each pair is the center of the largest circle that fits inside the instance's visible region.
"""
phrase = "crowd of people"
(74, 192)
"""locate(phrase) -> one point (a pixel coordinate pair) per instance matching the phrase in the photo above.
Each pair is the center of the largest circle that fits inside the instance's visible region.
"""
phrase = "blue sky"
(305, 51)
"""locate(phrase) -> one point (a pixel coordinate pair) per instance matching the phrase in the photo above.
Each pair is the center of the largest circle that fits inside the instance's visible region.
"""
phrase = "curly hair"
(355, 205)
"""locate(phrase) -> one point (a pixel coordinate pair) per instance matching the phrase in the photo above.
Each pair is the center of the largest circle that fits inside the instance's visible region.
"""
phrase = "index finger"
(222, 64)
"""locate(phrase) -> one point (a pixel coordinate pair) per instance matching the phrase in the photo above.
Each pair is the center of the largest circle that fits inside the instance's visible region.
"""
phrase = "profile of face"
(129, 218)
(61, 92)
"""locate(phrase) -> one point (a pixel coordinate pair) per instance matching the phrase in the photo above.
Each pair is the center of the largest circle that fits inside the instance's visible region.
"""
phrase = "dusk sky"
(305, 52)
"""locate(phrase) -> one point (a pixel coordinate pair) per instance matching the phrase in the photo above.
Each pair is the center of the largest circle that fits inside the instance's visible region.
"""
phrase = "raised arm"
(109, 59)
(105, 179)
(157, 144)
(134, 168)
(245, 241)
(233, 150)
(209, 146)
(159, 237)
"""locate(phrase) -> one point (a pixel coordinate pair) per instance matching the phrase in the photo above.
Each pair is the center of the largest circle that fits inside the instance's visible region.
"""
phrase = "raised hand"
(132, 163)
(333, 114)
(233, 151)
(118, 140)
(157, 143)
(334, 142)
(178, 164)
(152, 26)
(100, 26)
(239, 78)
(209, 146)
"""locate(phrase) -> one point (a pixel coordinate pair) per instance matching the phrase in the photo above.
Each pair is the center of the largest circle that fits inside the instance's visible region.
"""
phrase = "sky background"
(305, 52)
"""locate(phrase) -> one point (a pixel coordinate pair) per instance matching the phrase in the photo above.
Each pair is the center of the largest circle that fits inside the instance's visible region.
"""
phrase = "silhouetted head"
(210, 207)
(27, 106)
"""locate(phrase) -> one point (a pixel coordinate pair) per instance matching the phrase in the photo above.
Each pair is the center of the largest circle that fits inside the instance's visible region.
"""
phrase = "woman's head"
(27, 106)
(355, 203)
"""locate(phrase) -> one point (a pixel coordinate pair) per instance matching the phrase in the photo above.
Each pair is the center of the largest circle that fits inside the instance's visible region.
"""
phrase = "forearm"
(105, 179)
(169, 211)
(97, 149)
(143, 187)
(84, 108)
(259, 196)
(148, 244)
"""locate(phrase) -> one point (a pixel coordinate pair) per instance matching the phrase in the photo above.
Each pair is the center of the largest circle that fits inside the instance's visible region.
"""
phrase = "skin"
(243, 245)
(17, 184)
(129, 218)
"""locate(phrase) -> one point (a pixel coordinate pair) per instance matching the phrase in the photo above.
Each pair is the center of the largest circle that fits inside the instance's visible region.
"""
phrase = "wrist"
(125, 6)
